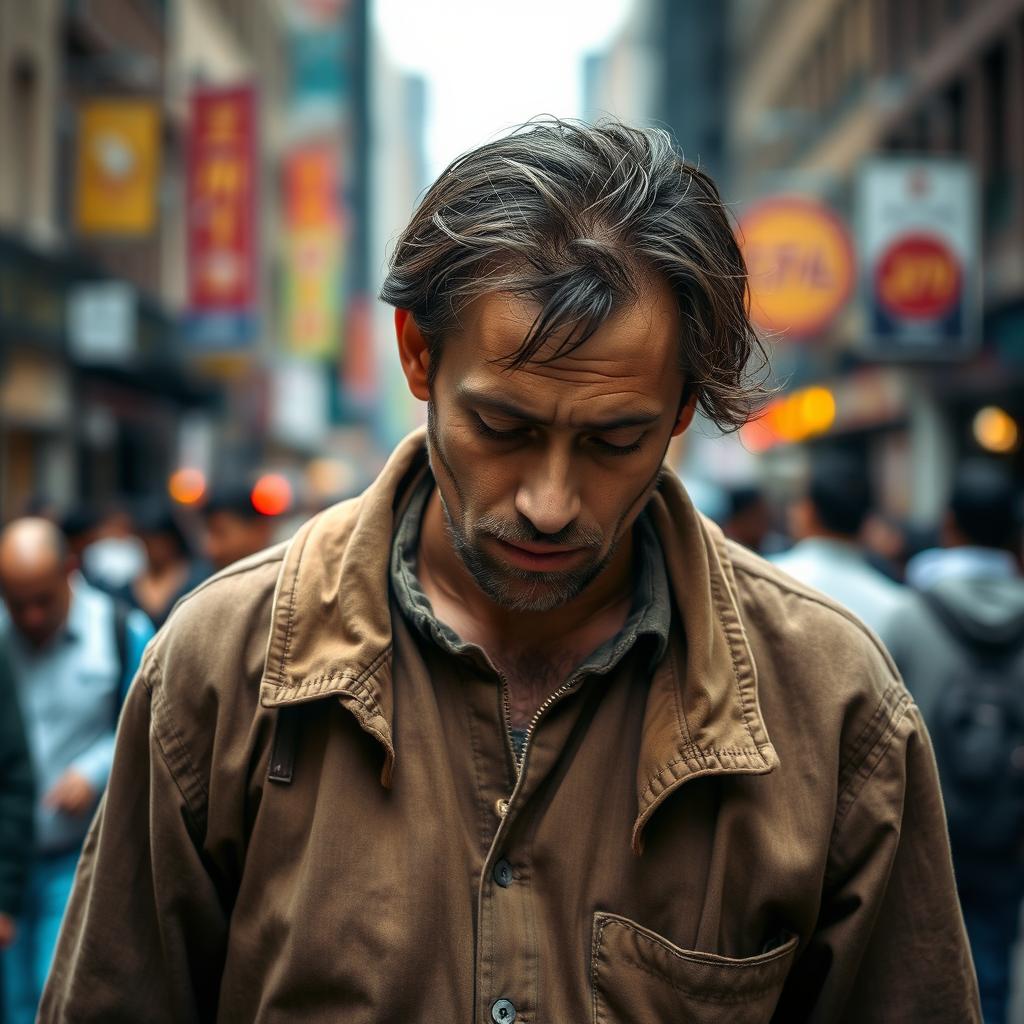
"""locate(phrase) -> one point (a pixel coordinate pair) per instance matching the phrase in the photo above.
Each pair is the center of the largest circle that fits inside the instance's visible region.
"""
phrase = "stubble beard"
(510, 586)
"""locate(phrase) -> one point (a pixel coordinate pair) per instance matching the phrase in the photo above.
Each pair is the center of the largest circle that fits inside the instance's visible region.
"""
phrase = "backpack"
(978, 734)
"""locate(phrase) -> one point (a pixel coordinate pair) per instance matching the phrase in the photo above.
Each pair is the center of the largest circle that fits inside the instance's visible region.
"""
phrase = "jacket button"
(503, 873)
(503, 1012)
(501, 808)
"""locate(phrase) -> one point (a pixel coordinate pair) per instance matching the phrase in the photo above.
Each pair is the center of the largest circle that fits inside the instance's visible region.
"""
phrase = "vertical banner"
(223, 251)
(919, 255)
(313, 281)
(117, 167)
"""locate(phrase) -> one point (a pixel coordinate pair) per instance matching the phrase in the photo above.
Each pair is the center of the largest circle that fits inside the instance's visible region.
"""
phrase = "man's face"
(37, 599)
(230, 537)
(542, 470)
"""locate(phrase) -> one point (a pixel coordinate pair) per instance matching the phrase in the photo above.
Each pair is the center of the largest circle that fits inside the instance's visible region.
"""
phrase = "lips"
(539, 557)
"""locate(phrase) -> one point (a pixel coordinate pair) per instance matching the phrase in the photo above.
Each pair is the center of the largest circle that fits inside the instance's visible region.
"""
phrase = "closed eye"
(620, 449)
(485, 430)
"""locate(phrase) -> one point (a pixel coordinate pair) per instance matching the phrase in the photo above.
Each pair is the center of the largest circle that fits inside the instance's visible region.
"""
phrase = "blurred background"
(198, 198)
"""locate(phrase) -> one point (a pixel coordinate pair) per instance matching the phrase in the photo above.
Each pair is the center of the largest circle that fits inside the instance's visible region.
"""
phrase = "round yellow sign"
(800, 265)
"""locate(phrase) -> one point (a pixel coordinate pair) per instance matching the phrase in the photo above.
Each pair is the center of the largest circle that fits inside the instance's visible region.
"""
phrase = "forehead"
(634, 353)
(19, 578)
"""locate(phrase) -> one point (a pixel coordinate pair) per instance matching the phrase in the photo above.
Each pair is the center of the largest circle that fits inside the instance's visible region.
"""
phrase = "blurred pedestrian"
(748, 520)
(71, 659)
(108, 553)
(16, 800)
(234, 529)
(828, 555)
(170, 571)
(959, 643)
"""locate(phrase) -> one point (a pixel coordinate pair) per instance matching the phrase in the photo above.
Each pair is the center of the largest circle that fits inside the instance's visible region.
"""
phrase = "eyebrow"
(506, 408)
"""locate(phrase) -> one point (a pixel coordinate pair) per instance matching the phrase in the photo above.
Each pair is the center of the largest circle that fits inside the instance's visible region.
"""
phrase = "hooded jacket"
(966, 623)
(932, 638)
(752, 831)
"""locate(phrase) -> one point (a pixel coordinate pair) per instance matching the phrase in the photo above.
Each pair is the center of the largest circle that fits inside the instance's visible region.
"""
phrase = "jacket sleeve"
(16, 796)
(145, 930)
(890, 944)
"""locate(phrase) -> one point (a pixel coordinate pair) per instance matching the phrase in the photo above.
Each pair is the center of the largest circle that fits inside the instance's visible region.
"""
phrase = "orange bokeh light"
(186, 486)
(272, 494)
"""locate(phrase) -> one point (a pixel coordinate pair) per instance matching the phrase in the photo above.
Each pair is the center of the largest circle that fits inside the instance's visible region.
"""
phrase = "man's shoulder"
(217, 633)
(787, 617)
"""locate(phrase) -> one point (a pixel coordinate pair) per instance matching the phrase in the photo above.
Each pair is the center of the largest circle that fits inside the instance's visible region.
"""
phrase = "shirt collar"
(76, 625)
(650, 614)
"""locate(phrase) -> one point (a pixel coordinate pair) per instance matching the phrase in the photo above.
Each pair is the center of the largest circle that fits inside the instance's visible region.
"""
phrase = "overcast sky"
(491, 64)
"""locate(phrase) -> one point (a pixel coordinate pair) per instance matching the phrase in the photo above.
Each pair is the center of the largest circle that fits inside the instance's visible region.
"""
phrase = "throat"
(530, 678)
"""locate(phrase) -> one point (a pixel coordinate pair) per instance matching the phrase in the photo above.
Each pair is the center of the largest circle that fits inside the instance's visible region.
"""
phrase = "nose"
(548, 495)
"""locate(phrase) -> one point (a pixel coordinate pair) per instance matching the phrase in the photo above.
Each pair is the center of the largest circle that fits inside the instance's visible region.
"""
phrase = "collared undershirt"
(650, 613)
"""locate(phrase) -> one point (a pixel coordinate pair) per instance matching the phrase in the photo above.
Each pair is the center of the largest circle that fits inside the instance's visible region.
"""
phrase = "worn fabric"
(839, 569)
(751, 831)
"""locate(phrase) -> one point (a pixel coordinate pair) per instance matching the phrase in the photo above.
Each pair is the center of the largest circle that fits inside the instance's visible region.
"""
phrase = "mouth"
(539, 557)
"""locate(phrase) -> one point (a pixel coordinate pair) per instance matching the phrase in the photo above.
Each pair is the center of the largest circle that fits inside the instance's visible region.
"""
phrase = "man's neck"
(450, 586)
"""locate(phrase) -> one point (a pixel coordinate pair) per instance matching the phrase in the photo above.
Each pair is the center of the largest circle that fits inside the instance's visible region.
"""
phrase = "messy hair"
(574, 217)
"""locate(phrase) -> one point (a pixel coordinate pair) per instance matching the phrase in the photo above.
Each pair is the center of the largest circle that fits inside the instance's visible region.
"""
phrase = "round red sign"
(918, 278)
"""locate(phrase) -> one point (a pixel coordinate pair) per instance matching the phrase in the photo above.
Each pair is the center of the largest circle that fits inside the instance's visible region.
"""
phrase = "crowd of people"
(82, 595)
(951, 613)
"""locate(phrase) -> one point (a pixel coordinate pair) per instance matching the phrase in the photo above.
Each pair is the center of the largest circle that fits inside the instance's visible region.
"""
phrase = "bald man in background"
(72, 653)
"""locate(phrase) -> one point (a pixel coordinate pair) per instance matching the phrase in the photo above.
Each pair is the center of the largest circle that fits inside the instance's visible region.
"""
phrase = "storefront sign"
(800, 265)
(223, 268)
(312, 298)
(918, 257)
(102, 322)
(118, 167)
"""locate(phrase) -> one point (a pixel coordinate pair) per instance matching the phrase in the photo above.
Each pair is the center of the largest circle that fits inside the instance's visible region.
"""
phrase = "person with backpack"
(73, 649)
(959, 644)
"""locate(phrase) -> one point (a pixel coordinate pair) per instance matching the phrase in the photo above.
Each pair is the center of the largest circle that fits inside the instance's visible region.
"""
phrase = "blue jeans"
(26, 962)
(992, 930)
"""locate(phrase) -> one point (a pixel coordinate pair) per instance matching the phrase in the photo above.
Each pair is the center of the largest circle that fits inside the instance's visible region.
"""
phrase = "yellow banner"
(118, 167)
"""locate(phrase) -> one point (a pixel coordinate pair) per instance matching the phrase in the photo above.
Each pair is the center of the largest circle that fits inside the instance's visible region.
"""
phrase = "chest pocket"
(636, 975)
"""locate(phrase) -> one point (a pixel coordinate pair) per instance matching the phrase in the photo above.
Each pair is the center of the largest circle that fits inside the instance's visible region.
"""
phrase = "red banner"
(222, 180)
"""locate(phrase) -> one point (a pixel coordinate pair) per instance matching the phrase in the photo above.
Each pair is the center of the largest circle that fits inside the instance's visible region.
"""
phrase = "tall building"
(821, 86)
(101, 395)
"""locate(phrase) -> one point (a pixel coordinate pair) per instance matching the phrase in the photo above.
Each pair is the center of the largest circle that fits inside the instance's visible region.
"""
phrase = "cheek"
(616, 495)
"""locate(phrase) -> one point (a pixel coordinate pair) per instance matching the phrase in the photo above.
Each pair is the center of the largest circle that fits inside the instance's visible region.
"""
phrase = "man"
(234, 528)
(69, 675)
(516, 735)
(959, 643)
(827, 522)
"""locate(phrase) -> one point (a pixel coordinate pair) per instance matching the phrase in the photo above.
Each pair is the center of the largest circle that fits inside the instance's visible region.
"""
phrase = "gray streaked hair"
(573, 217)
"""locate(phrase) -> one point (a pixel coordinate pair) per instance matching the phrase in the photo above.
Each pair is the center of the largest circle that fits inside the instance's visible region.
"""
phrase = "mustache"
(524, 532)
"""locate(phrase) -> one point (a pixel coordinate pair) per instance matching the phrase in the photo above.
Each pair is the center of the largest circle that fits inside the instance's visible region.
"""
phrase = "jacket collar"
(330, 635)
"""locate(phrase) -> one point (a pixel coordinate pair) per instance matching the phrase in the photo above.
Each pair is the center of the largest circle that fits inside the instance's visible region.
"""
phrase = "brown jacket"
(751, 833)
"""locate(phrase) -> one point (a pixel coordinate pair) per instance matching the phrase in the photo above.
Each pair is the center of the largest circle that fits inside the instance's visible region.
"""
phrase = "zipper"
(552, 698)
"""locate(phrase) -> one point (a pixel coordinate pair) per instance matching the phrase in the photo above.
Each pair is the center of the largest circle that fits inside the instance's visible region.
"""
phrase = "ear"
(412, 351)
(685, 417)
